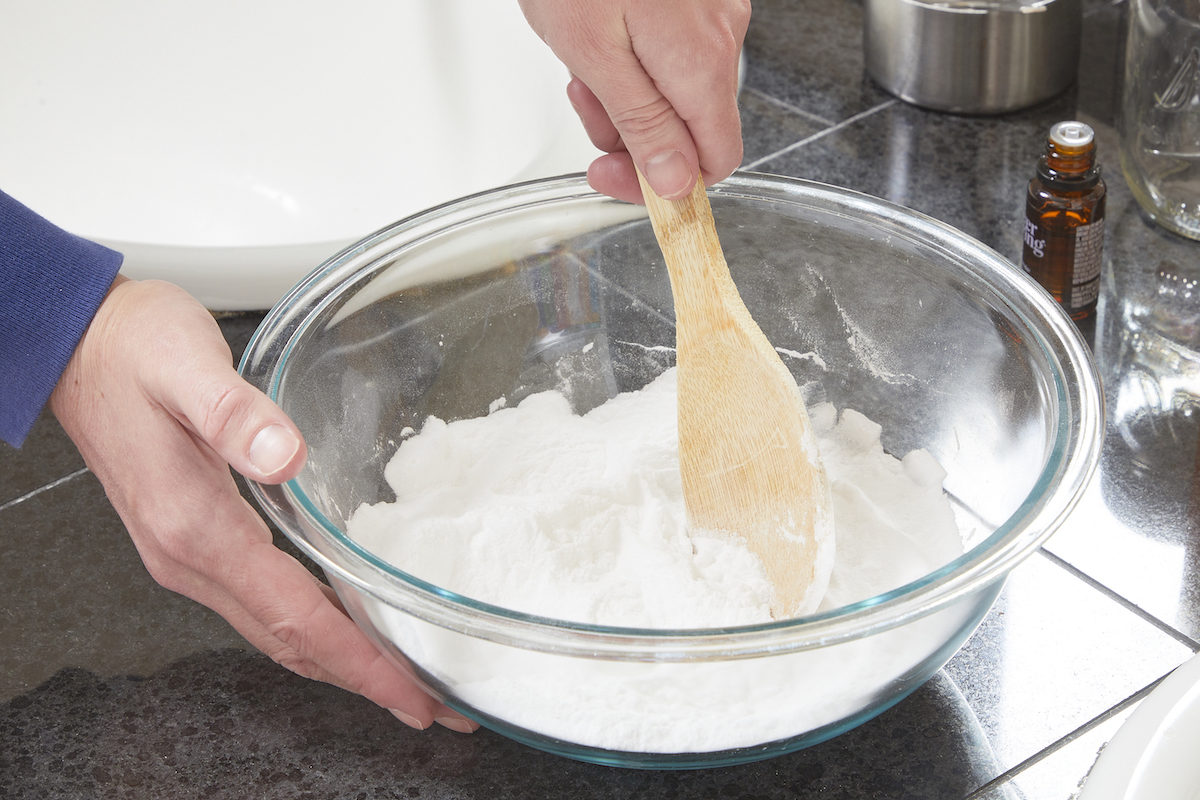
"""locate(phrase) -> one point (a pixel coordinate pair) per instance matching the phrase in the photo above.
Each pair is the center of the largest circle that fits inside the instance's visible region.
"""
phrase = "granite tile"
(826, 77)
(235, 712)
(1061, 774)
(1053, 654)
(85, 600)
(117, 688)
(187, 729)
(46, 456)
(771, 125)
(809, 54)
(1137, 531)
(1102, 59)
(969, 172)
(1146, 552)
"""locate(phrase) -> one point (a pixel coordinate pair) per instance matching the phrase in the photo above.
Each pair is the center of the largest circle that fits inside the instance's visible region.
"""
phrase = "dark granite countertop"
(113, 687)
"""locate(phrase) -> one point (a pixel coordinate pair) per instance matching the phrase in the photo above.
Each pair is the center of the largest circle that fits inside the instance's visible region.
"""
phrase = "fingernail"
(411, 722)
(272, 449)
(669, 175)
(456, 724)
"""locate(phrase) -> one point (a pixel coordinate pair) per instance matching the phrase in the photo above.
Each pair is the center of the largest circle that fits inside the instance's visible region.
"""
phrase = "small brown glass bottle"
(1064, 219)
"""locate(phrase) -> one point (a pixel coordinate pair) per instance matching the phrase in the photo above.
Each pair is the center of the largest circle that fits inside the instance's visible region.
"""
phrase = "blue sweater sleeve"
(51, 284)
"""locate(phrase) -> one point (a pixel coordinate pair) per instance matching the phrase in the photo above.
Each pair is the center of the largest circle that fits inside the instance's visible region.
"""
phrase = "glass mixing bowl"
(548, 285)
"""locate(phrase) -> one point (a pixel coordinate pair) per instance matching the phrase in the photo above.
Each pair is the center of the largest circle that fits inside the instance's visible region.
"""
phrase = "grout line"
(1079, 732)
(47, 487)
(1180, 637)
(786, 106)
(1095, 722)
(821, 134)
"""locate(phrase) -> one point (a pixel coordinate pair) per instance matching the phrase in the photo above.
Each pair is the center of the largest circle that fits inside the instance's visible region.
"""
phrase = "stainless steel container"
(973, 56)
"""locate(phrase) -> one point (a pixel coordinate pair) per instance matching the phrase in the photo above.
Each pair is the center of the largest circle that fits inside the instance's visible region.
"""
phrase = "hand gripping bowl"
(547, 285)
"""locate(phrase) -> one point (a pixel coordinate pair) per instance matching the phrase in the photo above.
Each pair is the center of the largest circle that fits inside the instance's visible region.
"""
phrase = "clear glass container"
(549, 285)
(1160, 117)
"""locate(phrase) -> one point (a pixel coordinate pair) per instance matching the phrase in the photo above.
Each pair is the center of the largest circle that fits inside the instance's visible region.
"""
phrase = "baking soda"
(581, 518)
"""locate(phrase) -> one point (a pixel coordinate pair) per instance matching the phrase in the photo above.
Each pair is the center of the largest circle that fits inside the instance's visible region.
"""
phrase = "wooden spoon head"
(751, 467)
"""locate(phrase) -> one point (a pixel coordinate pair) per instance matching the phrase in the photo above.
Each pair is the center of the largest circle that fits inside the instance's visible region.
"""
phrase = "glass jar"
(1160, 120)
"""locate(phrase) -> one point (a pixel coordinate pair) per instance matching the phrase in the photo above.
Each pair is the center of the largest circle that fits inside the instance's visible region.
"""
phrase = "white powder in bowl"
(581, 518)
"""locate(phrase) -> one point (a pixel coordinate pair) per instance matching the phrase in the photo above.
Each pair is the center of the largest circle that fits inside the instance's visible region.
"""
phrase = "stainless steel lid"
(973, 56)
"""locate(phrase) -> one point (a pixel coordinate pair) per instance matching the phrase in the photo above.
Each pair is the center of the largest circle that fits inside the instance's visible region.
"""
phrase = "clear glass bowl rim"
(1073, 458)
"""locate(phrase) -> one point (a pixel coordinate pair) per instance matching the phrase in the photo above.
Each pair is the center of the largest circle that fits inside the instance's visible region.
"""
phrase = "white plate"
(230, 146)
(1156, 753)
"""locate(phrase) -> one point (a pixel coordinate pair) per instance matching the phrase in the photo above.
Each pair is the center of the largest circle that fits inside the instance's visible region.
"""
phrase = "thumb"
(656, 137)
(248, 430)
(195, 381)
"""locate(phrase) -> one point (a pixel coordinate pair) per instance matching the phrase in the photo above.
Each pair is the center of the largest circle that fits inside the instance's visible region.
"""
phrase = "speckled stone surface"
(111, 687)
(228, 723)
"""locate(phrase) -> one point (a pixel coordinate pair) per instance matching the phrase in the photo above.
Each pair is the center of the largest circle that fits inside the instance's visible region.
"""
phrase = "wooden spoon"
(748, 455)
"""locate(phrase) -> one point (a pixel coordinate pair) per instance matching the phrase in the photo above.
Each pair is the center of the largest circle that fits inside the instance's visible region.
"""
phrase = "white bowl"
(231, 146)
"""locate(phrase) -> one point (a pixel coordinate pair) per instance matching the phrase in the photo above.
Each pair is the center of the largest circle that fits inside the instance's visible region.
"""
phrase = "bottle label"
(1066, 262)
(1089, 243)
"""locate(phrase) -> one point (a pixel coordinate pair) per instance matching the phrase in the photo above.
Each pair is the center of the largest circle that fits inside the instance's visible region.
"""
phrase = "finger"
(717, 134)
(248, 430)
(444, 716)
(595, 119)
(274, 602)
(672, 105)
(309, 635)
(618, 101)
(270, 598)
(613, 174)
(701, 83)
(656, 137)
(239, 422)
